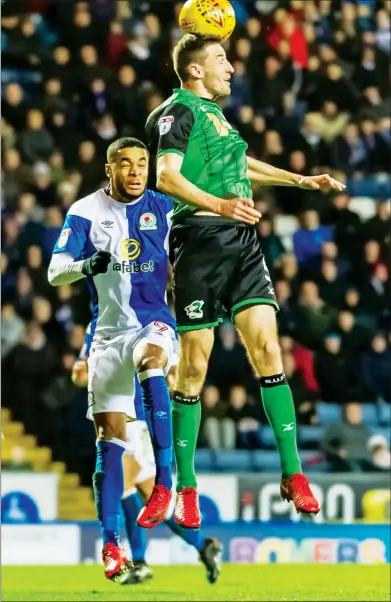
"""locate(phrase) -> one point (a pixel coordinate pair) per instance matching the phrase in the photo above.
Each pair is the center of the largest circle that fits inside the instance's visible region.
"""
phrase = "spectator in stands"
(217, 430)
(313, 317)
(381, 456)
(54, 101)
(354, 337)
(90, 166)
(12, 329)
(330, 122)
(14, 106)
(304, 398)
(349, 152)
(36, 142)
(331, 286)
(348, 228)
(286, 322)
(271, 244)
(42, 187)
(228, 363)
(375, 369)
(334, 371)
(346, 443)
(15, 178)
(307, 241)
(29, 368)
(246, 416)
(379, 227)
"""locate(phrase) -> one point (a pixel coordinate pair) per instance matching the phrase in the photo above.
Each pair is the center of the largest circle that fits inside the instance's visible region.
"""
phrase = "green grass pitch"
(237, 583)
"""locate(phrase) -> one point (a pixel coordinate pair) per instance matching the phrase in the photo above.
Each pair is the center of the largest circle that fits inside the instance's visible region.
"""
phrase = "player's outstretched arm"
(258, 171)
(63, 269)
(171, 182)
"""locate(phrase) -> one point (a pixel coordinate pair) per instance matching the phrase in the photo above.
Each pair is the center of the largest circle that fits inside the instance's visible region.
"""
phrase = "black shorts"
(217, 264)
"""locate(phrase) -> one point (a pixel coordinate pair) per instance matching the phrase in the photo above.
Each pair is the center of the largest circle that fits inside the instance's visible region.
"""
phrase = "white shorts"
(139, 446)
(111, 369)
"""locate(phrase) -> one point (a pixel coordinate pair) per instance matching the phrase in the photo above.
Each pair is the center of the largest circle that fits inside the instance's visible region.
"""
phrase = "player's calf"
(157, 408)
(108, 484)
(258, 329)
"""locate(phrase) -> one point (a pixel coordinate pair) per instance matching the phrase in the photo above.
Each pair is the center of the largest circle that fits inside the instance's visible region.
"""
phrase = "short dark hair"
(126, 142)
(185, 50)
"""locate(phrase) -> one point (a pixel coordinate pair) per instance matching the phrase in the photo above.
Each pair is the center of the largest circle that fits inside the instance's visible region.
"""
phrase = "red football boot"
(154, 512)
(297, 489)
(187, 511)
(115, 562)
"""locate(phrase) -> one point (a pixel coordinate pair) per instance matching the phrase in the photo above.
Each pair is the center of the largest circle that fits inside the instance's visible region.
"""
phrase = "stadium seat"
(204, 460)
(309, 436)
(384, 413)
(266, 461)
(328, 412)
(365, 207)
(267, 438)
(233, 461)
(370, 414)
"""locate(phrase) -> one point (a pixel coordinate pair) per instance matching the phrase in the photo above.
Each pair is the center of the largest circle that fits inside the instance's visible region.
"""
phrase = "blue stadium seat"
(233, 461)
(313, 461)
(328, 412)
(370, 414)
(204, 460)
(266, 437)
(309, 436)
(384, 413)
(266, 461)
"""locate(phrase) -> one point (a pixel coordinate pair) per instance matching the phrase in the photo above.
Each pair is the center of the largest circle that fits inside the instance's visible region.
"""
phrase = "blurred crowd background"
(311, 94)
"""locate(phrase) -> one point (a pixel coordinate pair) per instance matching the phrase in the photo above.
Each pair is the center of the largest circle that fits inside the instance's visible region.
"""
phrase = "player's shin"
(131, 506)
(156, 401)
(108, 483)
(186, 420)
(193, 537)
(280, 410)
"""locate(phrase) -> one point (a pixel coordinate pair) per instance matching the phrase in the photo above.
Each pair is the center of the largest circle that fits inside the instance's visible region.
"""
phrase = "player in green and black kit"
(217, 260)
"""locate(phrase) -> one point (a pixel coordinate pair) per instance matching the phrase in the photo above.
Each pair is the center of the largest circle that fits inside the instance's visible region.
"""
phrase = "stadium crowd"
(310, 93)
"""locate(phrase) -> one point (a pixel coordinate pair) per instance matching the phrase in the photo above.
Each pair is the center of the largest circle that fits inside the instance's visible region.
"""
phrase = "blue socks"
(194, 537)
(157, 408)
(108, 483)
(131, 506)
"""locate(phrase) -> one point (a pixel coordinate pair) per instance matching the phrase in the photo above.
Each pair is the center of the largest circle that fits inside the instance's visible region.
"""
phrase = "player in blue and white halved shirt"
(117, 238)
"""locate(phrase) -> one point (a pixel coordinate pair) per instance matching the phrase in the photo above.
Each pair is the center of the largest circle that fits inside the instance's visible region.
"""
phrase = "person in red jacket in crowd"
(286, 28)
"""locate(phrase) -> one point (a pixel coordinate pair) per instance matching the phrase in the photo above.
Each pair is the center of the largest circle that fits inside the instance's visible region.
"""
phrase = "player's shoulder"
(158, 201)
(178, 106)
(87, 206)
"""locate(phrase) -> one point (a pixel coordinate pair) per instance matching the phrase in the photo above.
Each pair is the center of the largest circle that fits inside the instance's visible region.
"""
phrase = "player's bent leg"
(195, 350)
(150, 361)
(257, 327)
(108, 484)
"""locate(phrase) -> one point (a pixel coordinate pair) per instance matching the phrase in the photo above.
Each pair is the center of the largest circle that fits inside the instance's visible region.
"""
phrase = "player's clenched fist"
(80, 373)
(97, 264)
(239, 209)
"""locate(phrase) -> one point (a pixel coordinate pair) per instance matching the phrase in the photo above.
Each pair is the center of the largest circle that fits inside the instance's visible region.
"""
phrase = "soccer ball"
(208, 18)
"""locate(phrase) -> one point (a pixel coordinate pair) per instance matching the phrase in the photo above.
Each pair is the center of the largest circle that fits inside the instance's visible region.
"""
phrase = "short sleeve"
(173, 130)
(74, 236)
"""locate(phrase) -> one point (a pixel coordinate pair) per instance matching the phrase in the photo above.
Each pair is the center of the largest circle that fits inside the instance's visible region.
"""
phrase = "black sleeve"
(173, 128)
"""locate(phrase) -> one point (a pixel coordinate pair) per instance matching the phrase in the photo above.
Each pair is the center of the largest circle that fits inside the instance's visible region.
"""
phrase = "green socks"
(186, 420)
(280, 411)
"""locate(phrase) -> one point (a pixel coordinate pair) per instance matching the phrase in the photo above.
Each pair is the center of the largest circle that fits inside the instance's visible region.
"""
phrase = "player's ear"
(195, 70)
(108, 171)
